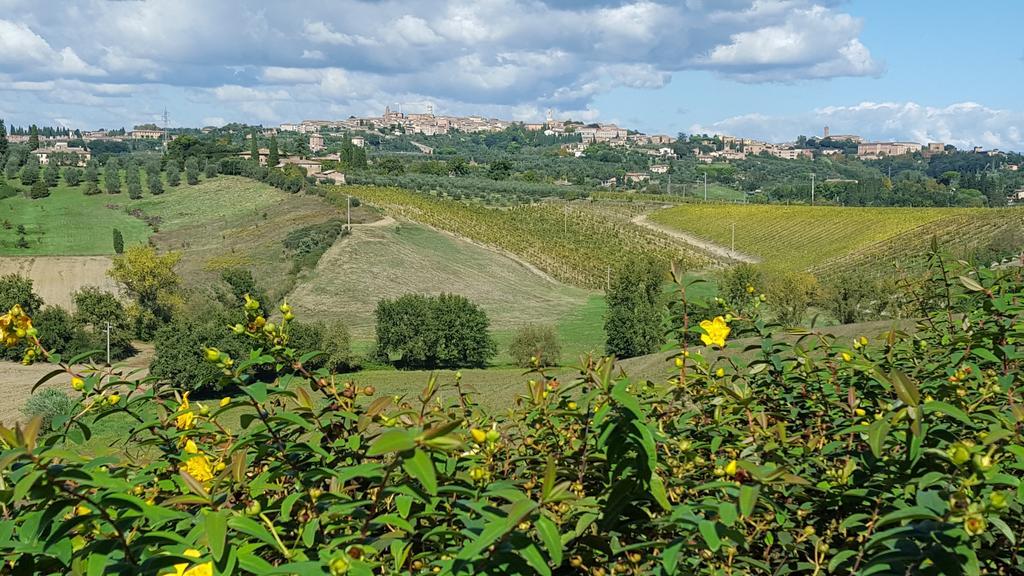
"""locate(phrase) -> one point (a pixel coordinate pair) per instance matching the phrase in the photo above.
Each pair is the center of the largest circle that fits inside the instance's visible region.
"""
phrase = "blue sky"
(770, 69)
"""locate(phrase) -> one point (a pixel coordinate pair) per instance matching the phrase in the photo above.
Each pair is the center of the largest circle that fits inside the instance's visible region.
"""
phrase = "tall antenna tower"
(165, 127)
(430, 109)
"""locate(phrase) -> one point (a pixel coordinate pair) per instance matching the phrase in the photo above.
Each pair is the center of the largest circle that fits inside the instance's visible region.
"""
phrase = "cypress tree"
(118, 242)
(3, 140)
(33, 138)
(273, 155)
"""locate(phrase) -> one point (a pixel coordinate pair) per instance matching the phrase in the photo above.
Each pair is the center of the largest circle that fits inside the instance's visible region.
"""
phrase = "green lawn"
(68, 223)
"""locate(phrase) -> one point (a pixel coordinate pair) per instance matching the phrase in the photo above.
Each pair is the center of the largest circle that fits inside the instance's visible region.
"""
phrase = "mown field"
(822, 237)
(399, 257)
(68, 223)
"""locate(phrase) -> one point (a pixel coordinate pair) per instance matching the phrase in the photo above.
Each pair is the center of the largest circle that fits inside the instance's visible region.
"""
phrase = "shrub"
(91, 188)
(51, 406)
(632, 324)
(736, 282)
(118, 242)
(446, 331)
(179, 348)
(898, 455)
(39, 190)
(849, 297)
(72, 176)
(173, 175)
(192, 171)
(535, 345)
(790, 294)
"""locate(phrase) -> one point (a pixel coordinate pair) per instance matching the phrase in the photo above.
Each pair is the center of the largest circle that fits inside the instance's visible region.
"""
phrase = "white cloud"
(963, 124)
(322, 33)
(414, 30)
(812, 43)
(312, 55)
(22, 49)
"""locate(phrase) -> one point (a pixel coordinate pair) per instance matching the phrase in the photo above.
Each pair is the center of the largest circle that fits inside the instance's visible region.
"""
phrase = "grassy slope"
(387, 261)
(231, 221)
(805, 237)
(68, 223)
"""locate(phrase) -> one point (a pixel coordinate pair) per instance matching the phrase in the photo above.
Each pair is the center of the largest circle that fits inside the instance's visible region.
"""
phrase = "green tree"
(18, 289)
(273, 156)
(92, 171)
(112, 177)
(445, 331)
(118, 242)
(91, 189)
(33, 138)
(535, 344)
(155, 182)
(51, 174)
(738, 283)
(849, 297)
(11, 167)
(500, 170)
(4, 144)
(30, 171)
(149, 278)
(94, 309)
(173, 175)
(39, 189)
(240, 283)
(633, 324)
(254, 147)
(72, 176)
(192, 171)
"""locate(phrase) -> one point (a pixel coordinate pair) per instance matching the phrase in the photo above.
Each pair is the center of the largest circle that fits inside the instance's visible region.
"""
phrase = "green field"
(818, 237)
(68, 223)
(387, 261)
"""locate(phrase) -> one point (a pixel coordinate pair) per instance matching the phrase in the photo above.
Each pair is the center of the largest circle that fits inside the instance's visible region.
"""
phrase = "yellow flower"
(720, 372)
(478, 435)
(847, 357)
(974, 524)
(731, 468)
(14, 325)
(191, 448)
(225, 401)
(199, 468)
(186, 418)
(204, 569)
(715, 330)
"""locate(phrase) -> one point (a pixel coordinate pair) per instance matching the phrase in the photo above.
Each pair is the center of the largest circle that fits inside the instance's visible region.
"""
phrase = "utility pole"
(705, 186)
(812, 189)
(348, 216)
(669, 184)
(108, 343)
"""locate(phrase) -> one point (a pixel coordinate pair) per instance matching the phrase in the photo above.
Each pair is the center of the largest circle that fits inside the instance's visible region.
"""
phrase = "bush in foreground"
(896, 455)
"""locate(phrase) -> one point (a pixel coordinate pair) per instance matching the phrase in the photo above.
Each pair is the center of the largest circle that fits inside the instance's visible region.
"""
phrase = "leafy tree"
(112, 177)
(273, 156)
(33, 138)
(192, 171)
(56, 329)
(632, 324)
(790, 294)
(118, 242)
(500, 170)
(849, 296)
(535, 345)
(739, 282)
(173, 175)
(179, 348)
(4, 144)
(211, 170)
(39, 189)
(94, 308)
(91, 188)
(72, 176)
(433, 332)
(11, 167)
(30, 171)
(51, 174)
(149, 278)
(240, 283)
(92, 171)
(390, 165)
(17, 289)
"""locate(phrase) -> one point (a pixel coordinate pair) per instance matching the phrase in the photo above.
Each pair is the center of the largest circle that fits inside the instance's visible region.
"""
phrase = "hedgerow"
(801, 455)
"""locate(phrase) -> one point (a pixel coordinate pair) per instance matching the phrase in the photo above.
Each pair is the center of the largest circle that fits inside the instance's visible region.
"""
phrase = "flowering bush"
(900, 454)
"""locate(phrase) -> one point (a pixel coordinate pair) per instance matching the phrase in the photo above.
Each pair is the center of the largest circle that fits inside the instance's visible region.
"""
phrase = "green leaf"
(551, 538)
(709, 532)
(748, 498)
(948, 409)
(216, 528)
(727, 513)
(905, 388)
(657, 486)
(257, 391)
(877, 432)
(252, 528)
(421, 467)
(394, 440)
(912, 513)
(497, 528)
(47, 378)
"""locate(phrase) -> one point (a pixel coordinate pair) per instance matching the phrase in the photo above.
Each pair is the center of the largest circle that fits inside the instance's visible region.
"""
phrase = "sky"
(908, 70)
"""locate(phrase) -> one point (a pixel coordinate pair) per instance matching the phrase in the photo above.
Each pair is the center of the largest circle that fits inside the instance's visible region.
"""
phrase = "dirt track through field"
(57, 278)
(16, 381)
(701, 244)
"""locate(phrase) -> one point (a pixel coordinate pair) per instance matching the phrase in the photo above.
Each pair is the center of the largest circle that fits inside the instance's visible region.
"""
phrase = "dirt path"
(16, 381)
(709, 247)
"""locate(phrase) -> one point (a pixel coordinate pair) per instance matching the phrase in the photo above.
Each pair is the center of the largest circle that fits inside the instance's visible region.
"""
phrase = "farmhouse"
(636, 177)
(264, 154)
(310, 166)
(659, 168)
(316, 143)
(63, 155)
(332, 176)
(146, 134)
